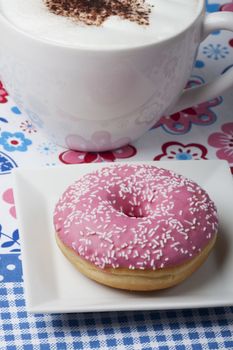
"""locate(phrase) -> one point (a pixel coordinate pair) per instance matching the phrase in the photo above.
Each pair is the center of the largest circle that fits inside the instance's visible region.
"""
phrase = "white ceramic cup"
(101, 99)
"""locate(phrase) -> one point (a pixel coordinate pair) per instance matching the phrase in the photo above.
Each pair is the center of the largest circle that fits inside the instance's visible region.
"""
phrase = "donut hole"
(129, 209)
(133, 212)
(136, 212)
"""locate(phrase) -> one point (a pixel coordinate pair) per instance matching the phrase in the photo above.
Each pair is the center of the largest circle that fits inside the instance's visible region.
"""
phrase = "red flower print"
(178, 151)
(3, 94)
(79, 157)
(223, 141)
(9, 199)
(181, 122)
(227, 7)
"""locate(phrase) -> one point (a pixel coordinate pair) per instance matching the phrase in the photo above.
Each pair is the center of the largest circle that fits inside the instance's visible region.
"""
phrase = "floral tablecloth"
(200, 132)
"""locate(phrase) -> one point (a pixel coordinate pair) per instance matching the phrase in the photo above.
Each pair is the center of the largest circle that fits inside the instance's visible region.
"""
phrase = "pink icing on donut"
(135, 216)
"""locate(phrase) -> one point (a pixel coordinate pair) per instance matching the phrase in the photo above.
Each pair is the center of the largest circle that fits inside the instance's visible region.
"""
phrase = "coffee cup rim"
(54, 44)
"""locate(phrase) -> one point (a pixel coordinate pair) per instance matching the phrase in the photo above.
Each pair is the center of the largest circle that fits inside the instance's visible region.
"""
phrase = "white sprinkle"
(152, 262)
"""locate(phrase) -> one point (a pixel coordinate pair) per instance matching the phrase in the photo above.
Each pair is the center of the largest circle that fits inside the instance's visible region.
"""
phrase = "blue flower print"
(10, 268)
(16, 110)
(215, 52)
(6, 164)
(14, 142)
(3, 120)
(47, 148)
(10, 241)
(213, 7)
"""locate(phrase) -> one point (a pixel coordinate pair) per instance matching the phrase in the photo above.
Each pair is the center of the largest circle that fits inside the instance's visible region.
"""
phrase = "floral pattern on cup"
(148, 113)
(12, 142)
(79, 157)
(179, 151)
(223, 141)
(35, 118)
(3, 94)
(8, 197)
(100, 140)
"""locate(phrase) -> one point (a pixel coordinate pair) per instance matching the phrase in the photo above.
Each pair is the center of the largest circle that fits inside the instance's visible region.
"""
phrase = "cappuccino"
(166, 18)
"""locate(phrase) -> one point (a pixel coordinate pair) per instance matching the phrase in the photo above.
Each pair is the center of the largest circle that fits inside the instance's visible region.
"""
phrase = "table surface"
(200, 132)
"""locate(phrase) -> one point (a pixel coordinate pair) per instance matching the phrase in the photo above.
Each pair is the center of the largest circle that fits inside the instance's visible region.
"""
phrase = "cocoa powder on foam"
(95, 12)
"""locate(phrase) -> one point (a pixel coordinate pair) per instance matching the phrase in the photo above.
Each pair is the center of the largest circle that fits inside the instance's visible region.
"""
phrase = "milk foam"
(167, 18)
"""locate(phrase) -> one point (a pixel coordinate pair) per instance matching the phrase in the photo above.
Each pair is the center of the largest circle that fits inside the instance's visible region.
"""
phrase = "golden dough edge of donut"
(137, 280)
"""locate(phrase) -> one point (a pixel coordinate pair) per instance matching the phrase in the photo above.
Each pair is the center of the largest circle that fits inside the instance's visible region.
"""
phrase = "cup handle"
(195, 96)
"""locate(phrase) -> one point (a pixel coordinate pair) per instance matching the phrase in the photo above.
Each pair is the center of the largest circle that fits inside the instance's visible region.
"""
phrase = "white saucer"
(53, 285)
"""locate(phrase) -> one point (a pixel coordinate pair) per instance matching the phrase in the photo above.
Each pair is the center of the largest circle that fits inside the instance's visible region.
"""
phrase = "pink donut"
(135, 218)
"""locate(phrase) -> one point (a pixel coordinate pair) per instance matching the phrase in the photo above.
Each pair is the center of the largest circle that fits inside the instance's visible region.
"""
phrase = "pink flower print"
(223, 141)
(181, 122)
(178, 151)
(227, 7)
(8, 197)
(79, 157)
(100, 141)
(3, 94)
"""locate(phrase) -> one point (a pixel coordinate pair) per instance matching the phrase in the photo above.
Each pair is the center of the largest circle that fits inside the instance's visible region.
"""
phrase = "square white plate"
(53, 285)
